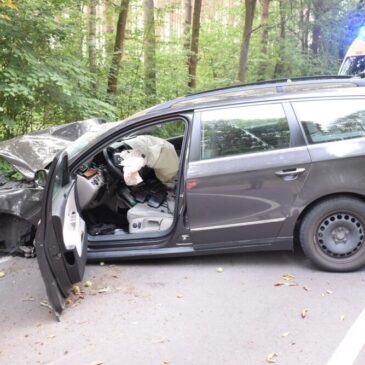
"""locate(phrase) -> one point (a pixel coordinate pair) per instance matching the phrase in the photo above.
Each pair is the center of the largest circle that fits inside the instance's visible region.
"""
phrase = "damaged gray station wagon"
(245, 168)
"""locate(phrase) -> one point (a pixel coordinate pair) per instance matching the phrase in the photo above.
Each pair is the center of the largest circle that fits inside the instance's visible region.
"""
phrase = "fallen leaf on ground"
(103, 290)
(307, 288)
(328, 291)
(88, 283)
(76, 290)
(219, 269)
(305, 312)
(271, 358)
(30, 299)
(293, 283)
(45, 304)
(51, 336)
(2, 274)
(68, 301)
(96, 363)
(288, 277)
(342, 317)
(285, 334)
(102, 263)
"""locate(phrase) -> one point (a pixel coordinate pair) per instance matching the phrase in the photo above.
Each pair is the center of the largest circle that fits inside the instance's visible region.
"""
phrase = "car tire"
(332, 234)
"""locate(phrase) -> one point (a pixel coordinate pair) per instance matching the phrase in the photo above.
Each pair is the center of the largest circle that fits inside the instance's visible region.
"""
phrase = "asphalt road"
(183, 311)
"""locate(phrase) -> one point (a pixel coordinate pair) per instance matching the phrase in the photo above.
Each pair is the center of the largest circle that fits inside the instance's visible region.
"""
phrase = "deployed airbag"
(132, 162)
(159, 154)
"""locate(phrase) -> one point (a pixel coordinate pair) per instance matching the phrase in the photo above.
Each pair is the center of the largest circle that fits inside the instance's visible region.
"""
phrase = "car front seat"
(143, 218)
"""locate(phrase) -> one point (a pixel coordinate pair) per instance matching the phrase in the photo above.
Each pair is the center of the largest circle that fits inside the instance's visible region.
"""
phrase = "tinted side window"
(353, 66)
(242, 130)
(331, 120)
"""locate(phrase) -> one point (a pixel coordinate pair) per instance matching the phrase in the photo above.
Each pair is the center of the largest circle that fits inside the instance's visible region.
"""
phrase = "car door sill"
(280, 244)
(139, 253)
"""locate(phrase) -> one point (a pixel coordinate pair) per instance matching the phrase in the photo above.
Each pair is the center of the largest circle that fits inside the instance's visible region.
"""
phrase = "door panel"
(60, 240)
(241, 198)
(248, 166)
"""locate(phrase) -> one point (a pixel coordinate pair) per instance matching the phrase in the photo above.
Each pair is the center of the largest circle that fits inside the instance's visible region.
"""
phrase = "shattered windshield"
(88, 138)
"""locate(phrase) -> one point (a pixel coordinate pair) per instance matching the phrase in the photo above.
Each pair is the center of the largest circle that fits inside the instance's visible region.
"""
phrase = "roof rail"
(279, 84)
(280, 81)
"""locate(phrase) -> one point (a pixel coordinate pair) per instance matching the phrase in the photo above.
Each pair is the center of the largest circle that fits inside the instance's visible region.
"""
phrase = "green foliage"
(44, 66)
(5, 166)
(169, 130)
(42, 82)
(219, 47)
(10, 171)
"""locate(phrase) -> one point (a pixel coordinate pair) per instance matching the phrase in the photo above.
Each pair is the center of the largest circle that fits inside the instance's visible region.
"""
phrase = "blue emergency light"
(362, 32)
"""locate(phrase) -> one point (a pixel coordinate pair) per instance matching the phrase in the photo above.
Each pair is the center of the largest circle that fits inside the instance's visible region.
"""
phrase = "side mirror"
(40, 178)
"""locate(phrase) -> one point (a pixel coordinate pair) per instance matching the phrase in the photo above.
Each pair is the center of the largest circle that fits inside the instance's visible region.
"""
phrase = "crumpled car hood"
(36, 150)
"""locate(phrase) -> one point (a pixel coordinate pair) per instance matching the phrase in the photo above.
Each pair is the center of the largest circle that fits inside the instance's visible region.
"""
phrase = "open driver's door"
(60, 242)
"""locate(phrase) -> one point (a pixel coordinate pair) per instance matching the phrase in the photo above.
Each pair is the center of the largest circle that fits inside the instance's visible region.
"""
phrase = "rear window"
(331, 120)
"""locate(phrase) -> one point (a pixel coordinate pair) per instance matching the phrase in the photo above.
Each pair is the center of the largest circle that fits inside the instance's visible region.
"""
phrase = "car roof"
(262, 91)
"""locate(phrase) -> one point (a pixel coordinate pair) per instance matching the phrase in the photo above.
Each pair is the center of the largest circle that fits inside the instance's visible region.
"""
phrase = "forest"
(68, 60)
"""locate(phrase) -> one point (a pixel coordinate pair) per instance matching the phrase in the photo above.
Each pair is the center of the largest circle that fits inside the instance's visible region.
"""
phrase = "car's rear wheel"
(332, 234)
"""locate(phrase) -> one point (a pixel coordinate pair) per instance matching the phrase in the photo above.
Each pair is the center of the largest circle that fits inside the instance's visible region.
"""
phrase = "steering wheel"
(112, 163)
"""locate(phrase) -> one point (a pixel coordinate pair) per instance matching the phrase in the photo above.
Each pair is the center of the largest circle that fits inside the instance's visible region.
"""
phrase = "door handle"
(290, 174)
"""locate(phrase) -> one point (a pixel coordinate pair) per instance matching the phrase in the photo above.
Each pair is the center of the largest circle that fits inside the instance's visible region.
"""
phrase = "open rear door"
(60, 242)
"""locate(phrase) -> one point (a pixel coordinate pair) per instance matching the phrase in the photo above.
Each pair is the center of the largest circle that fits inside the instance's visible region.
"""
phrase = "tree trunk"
(187, 25)
(92, 41)
(302, 25)
(149, 49)
(280, 65)
(306, 29)
(193, 57)
(118, 48)
(250, 6)
(316, 31)
(264, 36)
(83, 40)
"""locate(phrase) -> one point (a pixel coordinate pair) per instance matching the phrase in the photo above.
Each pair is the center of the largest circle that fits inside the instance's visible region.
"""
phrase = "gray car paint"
(217, 180)
(246, 201)
(34, 151)
(292, 201)
(337, 168)
(230, 204)
(20, 201)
